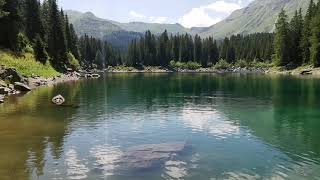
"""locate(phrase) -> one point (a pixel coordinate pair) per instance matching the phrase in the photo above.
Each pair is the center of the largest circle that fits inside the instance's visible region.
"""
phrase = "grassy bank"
(26, 64)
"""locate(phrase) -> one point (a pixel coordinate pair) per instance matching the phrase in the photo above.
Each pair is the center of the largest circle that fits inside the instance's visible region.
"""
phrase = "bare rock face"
(58, 100)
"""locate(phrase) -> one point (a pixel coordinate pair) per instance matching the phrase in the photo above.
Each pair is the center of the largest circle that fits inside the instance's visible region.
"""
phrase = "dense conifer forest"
(44, 29)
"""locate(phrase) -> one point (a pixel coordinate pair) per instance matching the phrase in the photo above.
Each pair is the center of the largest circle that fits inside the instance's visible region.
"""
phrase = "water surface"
(235, 127)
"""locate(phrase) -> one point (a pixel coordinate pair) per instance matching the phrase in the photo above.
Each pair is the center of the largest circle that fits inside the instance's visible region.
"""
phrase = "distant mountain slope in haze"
(259, 16)
(88, 23)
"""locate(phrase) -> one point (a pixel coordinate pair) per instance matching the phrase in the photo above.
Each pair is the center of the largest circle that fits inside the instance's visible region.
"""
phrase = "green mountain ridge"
(258, 16)
(88, 23)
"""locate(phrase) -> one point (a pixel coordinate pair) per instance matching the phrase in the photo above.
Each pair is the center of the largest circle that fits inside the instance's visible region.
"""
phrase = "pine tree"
(33, 21)
(197, 50)
(11, 25)
(99, 60)
(56, 41)
(296, 27)
(282, 40)
(68, 33)
(40, 50)
(306, 33)
(45, 14)
(73, 44)
(315, 40)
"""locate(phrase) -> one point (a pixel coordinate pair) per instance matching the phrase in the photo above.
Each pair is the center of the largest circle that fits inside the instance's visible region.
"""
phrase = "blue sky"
(189, 13)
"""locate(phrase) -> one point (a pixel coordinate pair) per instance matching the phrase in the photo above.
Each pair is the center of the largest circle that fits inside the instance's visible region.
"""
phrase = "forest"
(44, 29)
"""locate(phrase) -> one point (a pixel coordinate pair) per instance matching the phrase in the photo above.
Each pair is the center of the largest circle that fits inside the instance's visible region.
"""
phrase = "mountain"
(259, 16)
(88, 23)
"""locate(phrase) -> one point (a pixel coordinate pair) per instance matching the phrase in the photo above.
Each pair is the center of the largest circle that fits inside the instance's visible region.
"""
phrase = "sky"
(189, 13)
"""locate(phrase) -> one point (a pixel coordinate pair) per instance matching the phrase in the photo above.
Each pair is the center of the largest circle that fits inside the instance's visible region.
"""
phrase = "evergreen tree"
(33, 23)
(197, 50)
(45, 14)
(67, 33)
(296, 27)
(306, 33)
(11, 25)
(282, 40)
(40, 50)
(99, 60)
(56, 41)
(73, 44)
(315, 40)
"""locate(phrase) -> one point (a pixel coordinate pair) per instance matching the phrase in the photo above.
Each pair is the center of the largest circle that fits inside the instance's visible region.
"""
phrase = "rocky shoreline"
(12, 82)
(159, 69)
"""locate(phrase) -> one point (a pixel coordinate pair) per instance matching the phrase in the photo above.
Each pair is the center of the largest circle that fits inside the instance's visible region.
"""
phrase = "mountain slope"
(90, 24)
(259, 16)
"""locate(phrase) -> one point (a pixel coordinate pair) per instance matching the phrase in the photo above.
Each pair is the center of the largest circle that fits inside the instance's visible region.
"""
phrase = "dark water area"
(165, 126)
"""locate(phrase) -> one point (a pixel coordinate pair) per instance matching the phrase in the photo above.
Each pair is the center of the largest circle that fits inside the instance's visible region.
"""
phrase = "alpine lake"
(154, 126)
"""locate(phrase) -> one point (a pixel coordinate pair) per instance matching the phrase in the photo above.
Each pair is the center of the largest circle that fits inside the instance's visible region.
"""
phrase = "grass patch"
(26, 64)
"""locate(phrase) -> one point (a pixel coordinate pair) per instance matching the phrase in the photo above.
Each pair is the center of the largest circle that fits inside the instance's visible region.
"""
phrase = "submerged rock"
(21, 87)
(149, 156)
(58, 100)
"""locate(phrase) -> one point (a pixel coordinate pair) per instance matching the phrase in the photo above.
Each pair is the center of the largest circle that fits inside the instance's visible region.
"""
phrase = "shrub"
(22, 43)
(74, 63)
(242, 63)
(222, 64)
(181, 65)
(193, 65)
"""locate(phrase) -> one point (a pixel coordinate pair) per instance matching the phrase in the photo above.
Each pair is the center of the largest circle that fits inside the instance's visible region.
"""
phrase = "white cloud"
(135, 16)
(199, 17)
(223, 7)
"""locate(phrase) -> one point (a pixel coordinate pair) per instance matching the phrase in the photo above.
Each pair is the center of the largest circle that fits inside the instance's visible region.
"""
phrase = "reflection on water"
(237, 126)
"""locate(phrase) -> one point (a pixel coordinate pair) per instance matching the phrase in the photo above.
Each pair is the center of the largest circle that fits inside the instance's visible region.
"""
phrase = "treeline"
(298, 42)
(159, 51)
(98, 54)
(41, 28)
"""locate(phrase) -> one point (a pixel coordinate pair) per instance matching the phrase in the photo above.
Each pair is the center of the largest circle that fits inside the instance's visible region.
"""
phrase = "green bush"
(222, 64)
(242, 63)
(74, 63)
(181, 65)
